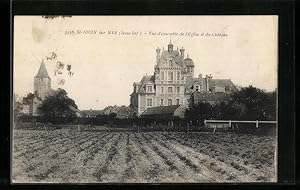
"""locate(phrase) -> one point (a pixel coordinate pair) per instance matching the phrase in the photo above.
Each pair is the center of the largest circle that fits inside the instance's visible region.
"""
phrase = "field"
(68, 156)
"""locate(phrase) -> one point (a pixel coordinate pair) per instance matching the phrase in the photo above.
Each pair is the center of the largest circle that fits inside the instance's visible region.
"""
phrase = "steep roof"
(92, 112)
(210, 97)
(145, 80)
(174, 55)
(211, 82)
(220, 82)
(190, 81)
(160, 110)
(189, 62)
(42, 73)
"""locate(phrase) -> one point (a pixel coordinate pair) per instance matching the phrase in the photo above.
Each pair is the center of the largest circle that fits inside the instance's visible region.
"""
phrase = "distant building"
(173, 82)
(120, 111)
(164, 112)
(91, 113)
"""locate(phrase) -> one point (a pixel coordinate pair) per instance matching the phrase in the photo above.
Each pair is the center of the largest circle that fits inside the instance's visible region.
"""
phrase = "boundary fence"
(233, 123)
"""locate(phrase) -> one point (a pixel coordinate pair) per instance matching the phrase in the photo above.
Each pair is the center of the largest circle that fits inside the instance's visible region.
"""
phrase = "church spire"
(42, 73)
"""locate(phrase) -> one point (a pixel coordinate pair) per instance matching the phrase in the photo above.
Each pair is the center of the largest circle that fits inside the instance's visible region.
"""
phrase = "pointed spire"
(42, 73)
(170, 42)
(187, 55)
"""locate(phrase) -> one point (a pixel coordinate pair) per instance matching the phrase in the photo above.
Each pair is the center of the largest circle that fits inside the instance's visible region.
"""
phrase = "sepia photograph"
(144, 99)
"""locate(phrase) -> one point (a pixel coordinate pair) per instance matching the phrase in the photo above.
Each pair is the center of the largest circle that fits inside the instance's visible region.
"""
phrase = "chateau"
(173, 82)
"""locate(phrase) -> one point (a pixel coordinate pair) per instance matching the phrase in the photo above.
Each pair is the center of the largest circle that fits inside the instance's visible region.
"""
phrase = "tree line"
(248, 103)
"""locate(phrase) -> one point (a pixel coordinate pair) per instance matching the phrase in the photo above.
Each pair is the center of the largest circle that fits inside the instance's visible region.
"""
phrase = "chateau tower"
(42, 82)
(170, 47)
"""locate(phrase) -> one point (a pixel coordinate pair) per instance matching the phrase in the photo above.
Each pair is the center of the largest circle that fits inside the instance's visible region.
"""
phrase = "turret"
(182, 53)
(170, 47)
(157, 54)
(207, 78)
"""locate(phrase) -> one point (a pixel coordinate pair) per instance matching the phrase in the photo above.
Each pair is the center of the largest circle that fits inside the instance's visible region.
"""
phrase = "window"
(162, 75)
(149, 102)
(170, 75)
(149, 88)
(178, 75)
(162, 90)
(178, 89)
(170, 90)
(177, 101)
(197, 88)
(161, 102)
(169, 102)
(227, 88)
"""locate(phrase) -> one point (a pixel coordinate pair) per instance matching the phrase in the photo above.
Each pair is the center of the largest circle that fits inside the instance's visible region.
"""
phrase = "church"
(173, 82)
(41, 87)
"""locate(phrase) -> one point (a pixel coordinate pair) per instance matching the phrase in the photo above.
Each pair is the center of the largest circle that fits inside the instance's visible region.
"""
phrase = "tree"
(255, 104)
(229, 111)
(200, 112)
(58, 105)
(17, 107)
(28, 99)
(110, 118)
(248, 103)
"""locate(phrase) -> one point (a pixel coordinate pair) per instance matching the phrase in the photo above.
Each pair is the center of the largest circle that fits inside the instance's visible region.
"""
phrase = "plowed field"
(67, 156)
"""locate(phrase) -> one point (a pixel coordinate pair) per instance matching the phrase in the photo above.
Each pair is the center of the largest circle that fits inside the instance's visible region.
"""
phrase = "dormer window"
(149, 88)
(227, 88)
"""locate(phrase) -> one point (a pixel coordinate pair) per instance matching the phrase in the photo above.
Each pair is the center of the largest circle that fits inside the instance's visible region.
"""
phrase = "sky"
(105, 64)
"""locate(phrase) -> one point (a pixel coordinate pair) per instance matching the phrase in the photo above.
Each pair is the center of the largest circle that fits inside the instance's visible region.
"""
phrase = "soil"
(69, 156)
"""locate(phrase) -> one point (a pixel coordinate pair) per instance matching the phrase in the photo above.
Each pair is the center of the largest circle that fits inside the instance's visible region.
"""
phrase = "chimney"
(206, 81)
(170, 47)
(157, 54)
(182, 53)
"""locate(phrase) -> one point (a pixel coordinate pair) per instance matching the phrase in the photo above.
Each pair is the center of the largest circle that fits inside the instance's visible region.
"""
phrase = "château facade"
(173, 82)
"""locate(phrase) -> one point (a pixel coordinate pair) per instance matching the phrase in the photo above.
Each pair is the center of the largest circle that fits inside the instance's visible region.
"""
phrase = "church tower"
(42, 82)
